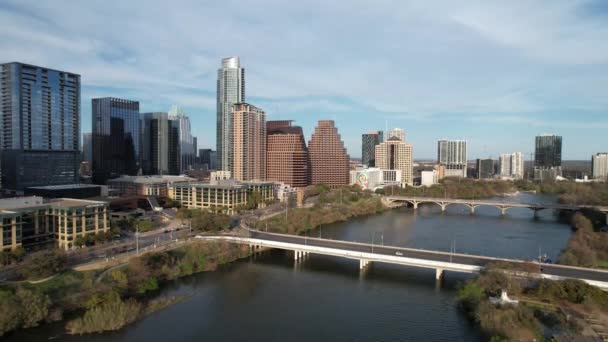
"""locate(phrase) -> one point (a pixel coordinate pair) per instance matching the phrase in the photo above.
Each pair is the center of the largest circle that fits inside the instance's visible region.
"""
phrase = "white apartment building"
(511, 165)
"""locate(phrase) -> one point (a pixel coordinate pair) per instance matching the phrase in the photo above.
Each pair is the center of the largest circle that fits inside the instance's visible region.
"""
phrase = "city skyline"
(549, 82)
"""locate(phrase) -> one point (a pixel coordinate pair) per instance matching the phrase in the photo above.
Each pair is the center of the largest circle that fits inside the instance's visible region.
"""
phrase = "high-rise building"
(115, 137)
(230, 90)
(195, 148)
(39, 126)
(160, 144)
(208, 158)
(397, 133)
(395, 154)
(286, 154)
(186, 141)
(329, 160)
(248, 142)
(452, 154)
(511, 165)
(485, 168)
(368, 147)
(548, 157)
(87, 147)
(599, 166)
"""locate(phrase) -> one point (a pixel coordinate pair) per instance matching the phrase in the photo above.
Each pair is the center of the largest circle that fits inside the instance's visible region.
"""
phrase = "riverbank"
(538, 308)
(123, 296)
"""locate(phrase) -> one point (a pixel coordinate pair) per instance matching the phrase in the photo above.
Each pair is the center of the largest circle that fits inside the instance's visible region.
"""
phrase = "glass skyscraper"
(548, 157)
(230, 90)
(368, 147)
(452, 154)
(116, 134)
(39, 126)
(160, 144)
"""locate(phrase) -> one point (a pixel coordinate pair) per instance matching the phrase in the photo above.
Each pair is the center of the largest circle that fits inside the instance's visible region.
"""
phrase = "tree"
(10, 312)
(43, 264)
(35, 306)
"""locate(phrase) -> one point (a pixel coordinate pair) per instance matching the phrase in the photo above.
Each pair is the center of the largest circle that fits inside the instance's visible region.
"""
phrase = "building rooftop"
(65, 187)
(152, 179)
(17, 203)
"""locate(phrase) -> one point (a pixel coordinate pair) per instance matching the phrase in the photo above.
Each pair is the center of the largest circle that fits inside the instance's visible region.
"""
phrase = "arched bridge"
(473, 204)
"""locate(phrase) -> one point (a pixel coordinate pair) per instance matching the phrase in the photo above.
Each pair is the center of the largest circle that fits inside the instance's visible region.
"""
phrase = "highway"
(548, 269)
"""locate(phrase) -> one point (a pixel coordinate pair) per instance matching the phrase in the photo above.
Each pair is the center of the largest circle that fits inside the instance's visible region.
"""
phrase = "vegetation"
(43, 264)
(331, 206)
(538, 300)
(456, 188)
(205, 220)
(573, 193)
(586, 247)
(23, 308)
(110, 315)
(95, 239)
(134, 224)
(12, 256)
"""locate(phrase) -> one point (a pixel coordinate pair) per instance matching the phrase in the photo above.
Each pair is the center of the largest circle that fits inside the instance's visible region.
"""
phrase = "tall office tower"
(599, 166)
(248, 142)
(186, 141)
(39, 126)
(328, 159)
(286, 154)
(368, 147)
(395, 154)
(230, 90)
(195, 148)
(511, 165)
(485, 168)
(116, 133)
(397, 133)
(548, 157)
(87, 147)
(160, 144)
(452, 154)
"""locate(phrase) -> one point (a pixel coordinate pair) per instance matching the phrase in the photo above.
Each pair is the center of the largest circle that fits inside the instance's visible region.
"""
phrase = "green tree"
(35, 306)
(43, 264)
(10, 312)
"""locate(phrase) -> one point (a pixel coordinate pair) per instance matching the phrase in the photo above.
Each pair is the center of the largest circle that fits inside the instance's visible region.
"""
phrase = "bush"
(108, 316)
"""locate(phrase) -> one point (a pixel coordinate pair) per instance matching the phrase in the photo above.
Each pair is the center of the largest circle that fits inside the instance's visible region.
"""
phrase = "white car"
(399, 253)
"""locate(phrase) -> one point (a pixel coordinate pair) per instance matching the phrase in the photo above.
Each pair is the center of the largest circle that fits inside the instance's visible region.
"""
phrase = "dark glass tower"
(548, 151)
(39, 126)
(368, 147)
(160, 144)
(116, 133)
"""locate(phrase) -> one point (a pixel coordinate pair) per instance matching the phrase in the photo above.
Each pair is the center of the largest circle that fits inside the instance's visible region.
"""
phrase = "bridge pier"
(472, 208)
(415, 205)
(439, 273)
(443, 207)
(503, 211)
(363, 263)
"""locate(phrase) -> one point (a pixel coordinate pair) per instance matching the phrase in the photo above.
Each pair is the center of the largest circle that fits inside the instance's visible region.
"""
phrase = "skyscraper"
(230, 90)
(599, 166)
(397, 133)
(186, 141)
(368, 147)
(248, 142)
(452, 154)
(208, 157)
(395, 154)
(286, 154)
(511, 165)
(87, 147)
(329, 161)
(115, 138)
(160, 144)
(39, 126)
(485, 168)
(548, 157)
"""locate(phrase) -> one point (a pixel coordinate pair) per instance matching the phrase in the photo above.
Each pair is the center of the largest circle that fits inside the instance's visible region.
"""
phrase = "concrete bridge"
(368, 253)
(473, 204)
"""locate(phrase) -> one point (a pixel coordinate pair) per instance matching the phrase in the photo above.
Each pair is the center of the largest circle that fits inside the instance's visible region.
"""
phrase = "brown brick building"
(248, 142)
(286, 154)
(328, 156)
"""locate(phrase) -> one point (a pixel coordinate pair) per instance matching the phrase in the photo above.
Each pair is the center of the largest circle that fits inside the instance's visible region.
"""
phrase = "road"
(549, 269)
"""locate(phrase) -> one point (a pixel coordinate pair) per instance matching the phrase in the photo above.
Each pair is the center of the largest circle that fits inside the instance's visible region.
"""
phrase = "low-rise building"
(227, 195)
(428, 178)
(145, 185)
(31, 220)
(283, 192)
(374, 178)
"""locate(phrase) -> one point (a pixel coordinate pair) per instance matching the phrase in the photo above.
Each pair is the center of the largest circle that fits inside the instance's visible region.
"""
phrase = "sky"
(495, 73)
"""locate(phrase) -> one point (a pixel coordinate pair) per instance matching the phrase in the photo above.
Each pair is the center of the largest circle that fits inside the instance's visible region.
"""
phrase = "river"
(271, 298)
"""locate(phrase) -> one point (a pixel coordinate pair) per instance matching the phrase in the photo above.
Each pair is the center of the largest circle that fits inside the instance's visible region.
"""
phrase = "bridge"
(368, 253)
(502, 206)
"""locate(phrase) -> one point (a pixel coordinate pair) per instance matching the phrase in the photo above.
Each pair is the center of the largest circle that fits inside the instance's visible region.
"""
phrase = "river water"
(271, 298)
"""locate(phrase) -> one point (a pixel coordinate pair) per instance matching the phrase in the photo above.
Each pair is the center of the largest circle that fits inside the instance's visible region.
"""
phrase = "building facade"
(160, 144)
(230, 90)
(452, 155)
(29, 220)
(368, 147)
(87, 148)
(428, 178)
(39, 126)
(286, 154)
(208, 158)
(548, 157)
(395, 154)
(248, 142)
(396, 133)
(485, 168)
(328, 158)
(115, 137)
(599, 166)
(511, 165)
(186, 140)
(145, 185)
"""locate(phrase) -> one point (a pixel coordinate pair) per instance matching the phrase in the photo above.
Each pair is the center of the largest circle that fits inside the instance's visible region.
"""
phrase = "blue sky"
(493, 72)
